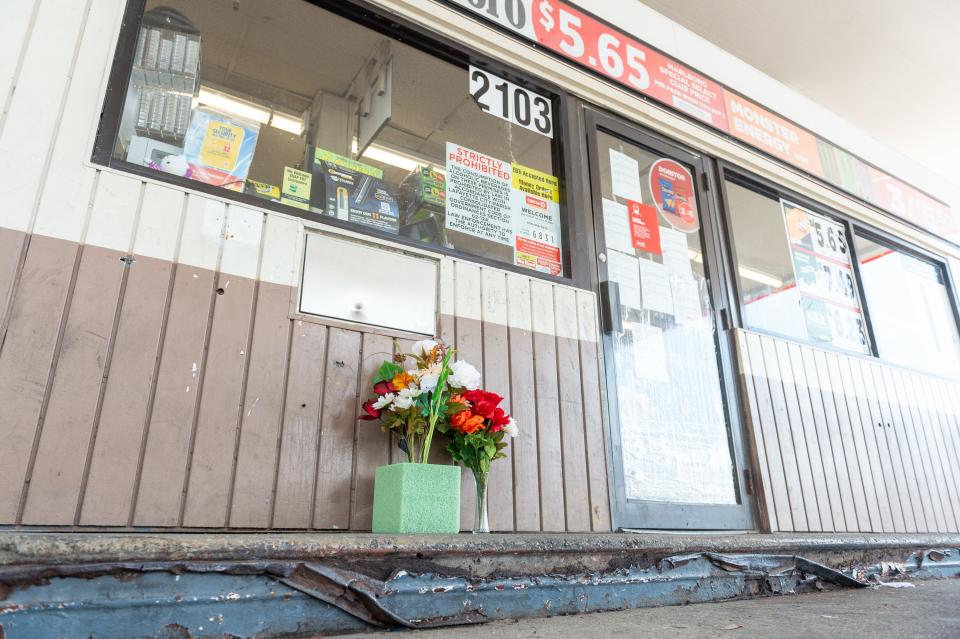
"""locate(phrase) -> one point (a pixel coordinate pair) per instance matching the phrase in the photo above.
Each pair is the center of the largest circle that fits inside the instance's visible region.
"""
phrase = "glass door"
(675, 436)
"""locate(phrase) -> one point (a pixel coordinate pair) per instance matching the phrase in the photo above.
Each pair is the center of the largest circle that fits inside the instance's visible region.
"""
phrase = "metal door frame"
(642, 514)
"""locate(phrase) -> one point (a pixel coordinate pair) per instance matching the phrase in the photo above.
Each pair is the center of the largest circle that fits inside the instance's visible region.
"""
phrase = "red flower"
(498, 420)
(382, 388)
(371, 412)
(483, 402)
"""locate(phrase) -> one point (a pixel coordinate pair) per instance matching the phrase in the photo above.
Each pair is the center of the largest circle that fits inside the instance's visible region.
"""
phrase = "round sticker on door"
(672, 188)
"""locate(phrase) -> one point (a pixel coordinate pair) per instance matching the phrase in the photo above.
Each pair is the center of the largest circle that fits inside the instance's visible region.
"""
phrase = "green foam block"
(416, 498)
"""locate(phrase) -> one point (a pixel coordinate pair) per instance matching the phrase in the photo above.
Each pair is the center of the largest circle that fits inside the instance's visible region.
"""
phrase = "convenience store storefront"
(703, 316)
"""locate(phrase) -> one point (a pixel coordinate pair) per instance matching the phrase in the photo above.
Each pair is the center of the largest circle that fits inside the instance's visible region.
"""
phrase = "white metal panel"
(202, 232)
(279, 261)
(30, 124)
(114, 214)
(66, 190)
(241, 242)
(587, 316)
(16, 24)
(159, 226)
(360, 283)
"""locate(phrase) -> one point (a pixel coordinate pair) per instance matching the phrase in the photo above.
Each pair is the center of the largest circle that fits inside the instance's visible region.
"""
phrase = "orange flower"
(459, 399)
(402, 380)
(466, 422)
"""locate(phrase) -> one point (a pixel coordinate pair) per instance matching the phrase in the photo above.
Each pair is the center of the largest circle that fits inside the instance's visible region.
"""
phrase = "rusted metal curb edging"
(17, 547)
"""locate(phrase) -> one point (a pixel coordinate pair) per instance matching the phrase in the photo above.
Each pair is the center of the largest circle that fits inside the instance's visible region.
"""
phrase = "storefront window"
(912, 318)
(795, 272)
(299, 106)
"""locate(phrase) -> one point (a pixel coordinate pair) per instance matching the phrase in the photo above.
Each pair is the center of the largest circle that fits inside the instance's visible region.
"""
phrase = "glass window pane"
(294, 104)
(672, 423)
(910, 309)
(793, 265)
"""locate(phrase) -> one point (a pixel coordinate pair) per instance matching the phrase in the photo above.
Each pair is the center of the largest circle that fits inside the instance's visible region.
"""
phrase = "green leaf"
(387, 371)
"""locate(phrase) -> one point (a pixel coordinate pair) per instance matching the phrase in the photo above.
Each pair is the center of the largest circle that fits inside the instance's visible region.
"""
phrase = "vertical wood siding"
(842, 443)
(152, 375)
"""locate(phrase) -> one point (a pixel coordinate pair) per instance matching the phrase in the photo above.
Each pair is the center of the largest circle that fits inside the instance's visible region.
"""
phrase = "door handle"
(610, 307)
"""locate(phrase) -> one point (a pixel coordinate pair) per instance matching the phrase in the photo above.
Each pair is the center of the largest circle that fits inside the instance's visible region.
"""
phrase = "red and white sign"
(672, 187)
(538, 256)
(644, 230)
(573, 34)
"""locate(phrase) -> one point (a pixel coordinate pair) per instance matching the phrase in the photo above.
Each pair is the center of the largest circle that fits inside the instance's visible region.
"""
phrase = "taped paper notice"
(625, 176)
(686, 298)
(649, 352)
(536, 210)
(676, 254)
(655, 287)
(644, 232)
(623, 270)
(479, 195)
(616, 227)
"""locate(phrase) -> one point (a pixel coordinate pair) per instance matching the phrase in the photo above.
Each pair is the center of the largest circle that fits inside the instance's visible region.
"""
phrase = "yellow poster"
(536, 183)
(221, 145)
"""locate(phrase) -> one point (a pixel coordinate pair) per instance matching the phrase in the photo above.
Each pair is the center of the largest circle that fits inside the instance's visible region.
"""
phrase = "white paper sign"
(511, 102)
(479, 195)
(686, 298)
(649, 352)
(676, 254)
(616, 226)
(625, 175)
(655, 287)
(623, 270)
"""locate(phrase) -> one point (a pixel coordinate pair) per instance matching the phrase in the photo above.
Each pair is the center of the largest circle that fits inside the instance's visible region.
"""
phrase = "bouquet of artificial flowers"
(411, 403)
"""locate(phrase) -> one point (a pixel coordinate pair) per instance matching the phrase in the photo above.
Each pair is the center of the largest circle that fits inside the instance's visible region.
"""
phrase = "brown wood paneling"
(262, 409)
(803, 510)
(874, 427)
(27, 351)
(12, 244)
(496, 379)
(175, 399)
(595, 439)
(372, 447)
(469, 347)
(919, 455)
(575, 487)
(75, 390)
(824, 485)
(938, 477)
(767, 509)
(118, 435)
(848, 449)
(944, 453)
(861, 422)
(548, 432)
(211, 468)
(899, 453)
(300, 436)
(526, 471)
(337, 427)
(942, 397)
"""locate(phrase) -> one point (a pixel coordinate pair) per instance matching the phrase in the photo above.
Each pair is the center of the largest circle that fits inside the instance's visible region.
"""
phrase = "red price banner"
(562, 28)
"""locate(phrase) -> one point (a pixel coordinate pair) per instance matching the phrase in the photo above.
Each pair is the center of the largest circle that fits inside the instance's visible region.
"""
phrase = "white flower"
(464, 375)
(383, 400)
(401, 402)
(423, 347)
(511, 429)
(410, 392)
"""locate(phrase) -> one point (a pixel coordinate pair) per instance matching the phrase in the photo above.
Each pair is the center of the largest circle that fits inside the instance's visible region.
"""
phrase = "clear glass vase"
(481, 524)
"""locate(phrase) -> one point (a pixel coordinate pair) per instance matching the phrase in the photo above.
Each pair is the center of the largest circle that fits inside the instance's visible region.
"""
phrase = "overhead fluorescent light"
(748, 273)
(234, 106)
(287, 123)
(395, 158)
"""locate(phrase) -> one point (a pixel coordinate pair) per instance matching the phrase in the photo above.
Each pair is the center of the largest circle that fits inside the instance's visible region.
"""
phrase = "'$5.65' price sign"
(573, 34)
(577, 36)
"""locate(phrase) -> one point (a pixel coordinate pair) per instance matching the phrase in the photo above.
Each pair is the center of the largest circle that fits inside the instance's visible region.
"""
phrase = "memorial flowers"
(414, 402)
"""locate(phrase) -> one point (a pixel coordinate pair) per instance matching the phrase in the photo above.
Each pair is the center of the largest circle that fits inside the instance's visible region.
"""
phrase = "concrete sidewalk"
(930, 609)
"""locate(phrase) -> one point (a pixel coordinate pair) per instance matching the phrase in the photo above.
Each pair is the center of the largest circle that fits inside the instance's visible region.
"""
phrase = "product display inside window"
(291, 103)
(913, 320)
(795, 271)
